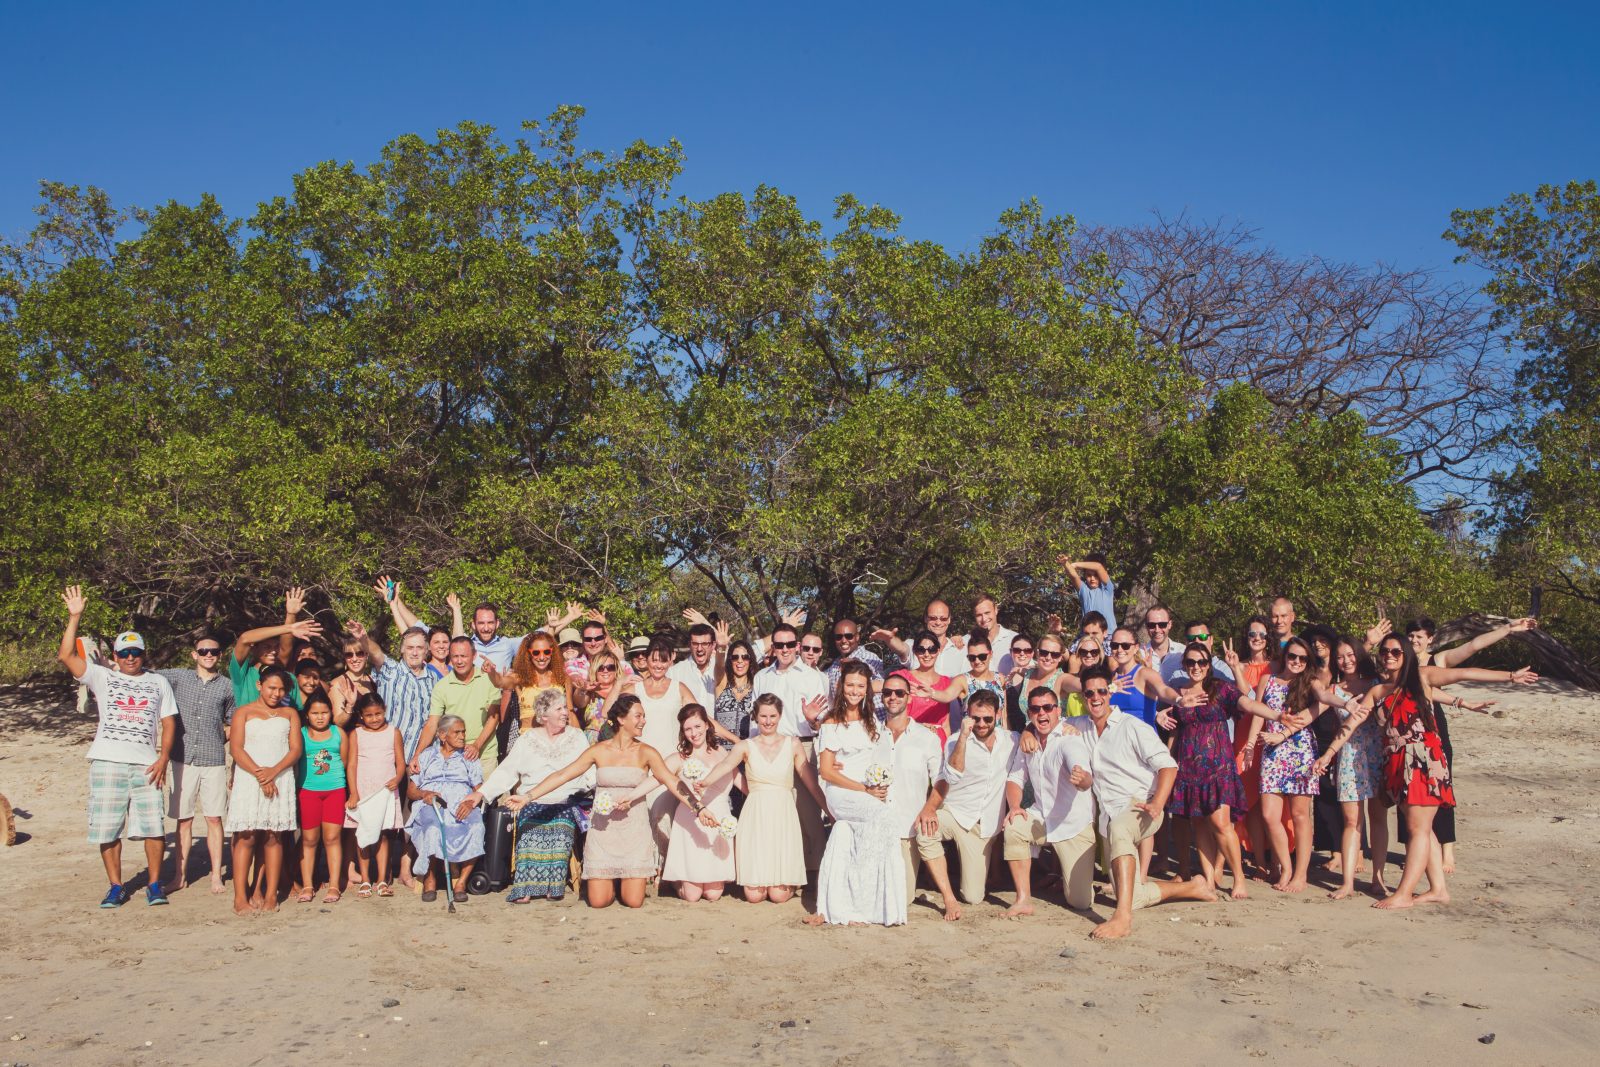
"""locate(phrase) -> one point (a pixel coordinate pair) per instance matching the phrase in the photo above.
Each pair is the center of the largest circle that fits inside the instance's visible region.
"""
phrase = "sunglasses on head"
(784, 644)
(1121, 646)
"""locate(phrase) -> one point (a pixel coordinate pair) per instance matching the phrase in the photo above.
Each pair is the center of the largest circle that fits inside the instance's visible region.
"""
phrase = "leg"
(214, 849)
(1349, 849)
(811, 835)
(1147, 849)
(1123, 872)
(1378, 840)
(632, 894)
(185, 837)
(1227, 839)
(383, 857)
(1300, 812)
(1020, 837)
(755, 894)
(1076, 856)
(908, 855)
(244, 846)
(1271, 809)
(780, 894)
(463, 872)
(1419, 853)
(1437, 893)
(939, 868)
(154, 848)
(712, 891)
(308, 864)
(111, 857)
(690, 891)
(333, 849)
(1186, 832)
(273, 869)
(1260, 840)
(1200, 829)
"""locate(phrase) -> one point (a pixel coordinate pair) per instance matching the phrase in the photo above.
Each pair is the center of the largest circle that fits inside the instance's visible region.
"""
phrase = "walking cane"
(444, 852)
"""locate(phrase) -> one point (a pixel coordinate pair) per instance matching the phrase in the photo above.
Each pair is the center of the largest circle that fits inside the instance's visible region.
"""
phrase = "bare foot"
(1432, 896)
(243, 909)
(1201, 889)
(1114, 927)
(216, 884)
(1280, 886)
(952, 911)
(271, 905)
(1378, 889)
(1342, 892)
(179, 883)
(814, 920)
(1336, 865)
(1239, 892)
(258, 902)
(1020, 908)
(1294, 885)
(1393, 902)
(1447, 857)
(1449, 868)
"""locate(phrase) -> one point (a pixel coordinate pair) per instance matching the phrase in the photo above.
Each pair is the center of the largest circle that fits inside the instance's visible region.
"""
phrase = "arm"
(958, 754)
(404, 618)
(293, 601)
(891, 638)
(241, 758)
(808, 778)
(556, 778)
(673, 763)
(1441, 697)
(297, 745)
(156, 773)
(399, 763)
(1150, 681)
(68, 652)
(1079, 568)
(928, 817)
(1452, 656)
(1437, 676)
(1165, 778)
(346, 749)
(250, 638)
(491, 722)
(954, 691)
(1013, 800)
(675, 785)
(727, 765)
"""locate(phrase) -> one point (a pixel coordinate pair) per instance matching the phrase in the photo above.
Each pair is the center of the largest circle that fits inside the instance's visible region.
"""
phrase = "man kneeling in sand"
(1132, 775)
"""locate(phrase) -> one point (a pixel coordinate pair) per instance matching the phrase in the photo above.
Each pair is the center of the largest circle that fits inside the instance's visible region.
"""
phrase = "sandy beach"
(1516, 955)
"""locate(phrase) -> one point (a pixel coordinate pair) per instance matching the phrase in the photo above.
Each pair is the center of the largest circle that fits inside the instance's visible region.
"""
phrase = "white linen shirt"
(1000, 661)
(1065, 810)
(1124, 761)
(915, 765)
(976, 798)
(794, 687)
(703, 686)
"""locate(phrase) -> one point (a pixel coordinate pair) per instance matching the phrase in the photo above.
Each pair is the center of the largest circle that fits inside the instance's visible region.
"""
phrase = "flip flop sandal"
(306, 897)
(365, 890)
(384, 890)
(332, 897)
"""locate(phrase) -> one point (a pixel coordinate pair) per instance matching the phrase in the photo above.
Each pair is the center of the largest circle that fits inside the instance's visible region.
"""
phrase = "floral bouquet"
(693, 770)
(877, 775)
(728, 827)
(603, 803)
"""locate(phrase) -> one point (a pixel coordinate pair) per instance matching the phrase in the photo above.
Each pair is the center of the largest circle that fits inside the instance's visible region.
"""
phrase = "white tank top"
(661, 717)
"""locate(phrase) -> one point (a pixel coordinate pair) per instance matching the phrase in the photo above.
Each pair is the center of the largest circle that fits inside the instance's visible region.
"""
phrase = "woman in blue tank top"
(1135, 687)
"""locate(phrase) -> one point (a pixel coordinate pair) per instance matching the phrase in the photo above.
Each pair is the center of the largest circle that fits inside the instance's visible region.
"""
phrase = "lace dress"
(620, 845)
(862, 878)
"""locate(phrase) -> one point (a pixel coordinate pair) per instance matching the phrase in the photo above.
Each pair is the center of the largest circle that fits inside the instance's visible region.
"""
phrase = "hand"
(1295, 720)
(966, 725)
(1166, 721)
(392, 783)
(1080, 778)
(574, 610)
(814, 707)
(412, 768)
(708, 820)
(1319, 767)
(596, 615)
(927, 822)
(305, 629)
(1013, 815)
(724, 634)
(1145, 656)
(468, 802)
(1378, 631)
(426, 796)
(1064, 560)
(1525, 676)
(156, 773)
(958, 640)
(261, 775)
(695, 617)
(1246, 757)
(1272, 739)
(879, 792)
(918, 689)
(269, 789)
(622, 805)
(794, 616)
(1029, 742)
(552, 620)
(74, 599)
(513, 802)
(471, 750)
(883, 636)
(1069, 731)
(293, 601)
(452, 602)
(351, 801)
(381, 587)
(1148, 808)
(355, 630)
(1482, 705)
(1052, 623)
(1526, 623)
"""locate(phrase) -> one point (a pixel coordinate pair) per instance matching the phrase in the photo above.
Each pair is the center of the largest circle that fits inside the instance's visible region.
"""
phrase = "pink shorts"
(325, 806)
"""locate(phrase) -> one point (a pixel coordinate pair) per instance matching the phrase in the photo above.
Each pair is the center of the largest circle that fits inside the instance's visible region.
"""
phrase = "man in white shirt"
(804, 694)
(1158, 651)
(129, 756)
(1062, 815)
(1132, 775)
(986, 614)
(914, 763)
(699, 672)
(967, 800)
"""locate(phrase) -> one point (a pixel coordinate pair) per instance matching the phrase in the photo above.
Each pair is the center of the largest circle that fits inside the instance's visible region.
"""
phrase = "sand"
(1516, 955)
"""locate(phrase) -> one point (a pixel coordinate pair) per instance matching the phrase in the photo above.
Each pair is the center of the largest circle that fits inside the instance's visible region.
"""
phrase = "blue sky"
(1347, 130)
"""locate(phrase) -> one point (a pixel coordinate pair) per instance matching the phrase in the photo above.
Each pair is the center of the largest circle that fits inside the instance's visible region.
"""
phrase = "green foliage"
(521, 371)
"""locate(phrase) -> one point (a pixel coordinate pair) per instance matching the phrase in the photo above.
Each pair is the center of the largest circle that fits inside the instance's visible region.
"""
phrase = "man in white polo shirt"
(128, 759)
(1062, 815)
(803, 691)
(1132, 778)
(914, 762)
(968, 799)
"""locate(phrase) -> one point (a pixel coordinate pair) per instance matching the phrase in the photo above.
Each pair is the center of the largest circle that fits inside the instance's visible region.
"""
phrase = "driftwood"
(1551, 657)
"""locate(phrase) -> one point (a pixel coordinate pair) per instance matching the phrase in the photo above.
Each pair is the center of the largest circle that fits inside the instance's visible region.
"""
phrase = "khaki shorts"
(1075, 854)
(1126, 831)
(197, 791)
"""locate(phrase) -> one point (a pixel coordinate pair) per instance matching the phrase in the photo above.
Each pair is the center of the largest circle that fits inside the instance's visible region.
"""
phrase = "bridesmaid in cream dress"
(699, 858)
(769, 855)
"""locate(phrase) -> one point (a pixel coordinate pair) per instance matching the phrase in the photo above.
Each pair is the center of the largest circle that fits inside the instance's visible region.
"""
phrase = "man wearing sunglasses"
(805, 697)
(847, 642)
(1199, 631)
(702, 669)
(952, 659)
(915, 759)
(1132, 776)
(1158, 649)
(967, 799)
(129, 756)
(204, 698)
(1062, 815)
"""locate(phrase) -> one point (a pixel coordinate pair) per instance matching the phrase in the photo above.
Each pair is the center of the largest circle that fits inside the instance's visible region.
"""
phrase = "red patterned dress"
(1415, 771)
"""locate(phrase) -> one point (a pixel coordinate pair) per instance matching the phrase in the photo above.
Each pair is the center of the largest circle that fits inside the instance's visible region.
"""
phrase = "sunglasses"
(1199, 637)
(1034, 709)
(1388, 653)
(938, 618)
(738, 656)
(979, 658)
(595, 640)
(541, 651)
(1158, 625)
(1196, 663)
(1021, 650)
(1049, 653)
(129, 653)
(1087, 652)
(784, 644)
(1095, 692)
(810, 648)
(897, 694)
(927, 650)
(982, 720)
(208, 651)
(1295, 657)
(1257, 635)
(1121, 646)
(606, 668)
(363, 655)
(847, 636)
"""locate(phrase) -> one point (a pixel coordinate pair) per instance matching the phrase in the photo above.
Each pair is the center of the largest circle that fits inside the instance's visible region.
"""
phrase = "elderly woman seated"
(441, 828)
(545, 831)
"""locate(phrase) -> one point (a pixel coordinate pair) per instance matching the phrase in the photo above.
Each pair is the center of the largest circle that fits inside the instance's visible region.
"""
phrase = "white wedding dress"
(862, 878)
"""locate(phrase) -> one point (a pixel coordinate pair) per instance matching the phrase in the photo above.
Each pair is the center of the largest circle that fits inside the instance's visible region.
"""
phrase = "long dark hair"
(1410, 679)
(1366, 670)
(837, 710)
(1209, 686)
(1244, 638)
(727, 665)
(1301, 696)
(691, 711)
(620, 709)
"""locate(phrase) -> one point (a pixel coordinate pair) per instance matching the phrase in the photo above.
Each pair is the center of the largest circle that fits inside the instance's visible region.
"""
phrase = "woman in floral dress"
(1207, 790)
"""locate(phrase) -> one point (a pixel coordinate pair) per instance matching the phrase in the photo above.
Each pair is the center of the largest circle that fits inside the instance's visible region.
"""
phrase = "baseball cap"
(128, 639)
(569, 636)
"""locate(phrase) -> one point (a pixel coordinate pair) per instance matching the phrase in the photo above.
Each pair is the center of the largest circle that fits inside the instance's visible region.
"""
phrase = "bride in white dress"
(862, 878)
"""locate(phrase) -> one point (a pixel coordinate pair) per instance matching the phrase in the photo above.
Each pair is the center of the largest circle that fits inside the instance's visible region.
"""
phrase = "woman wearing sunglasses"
(734, 691)
(1135, 688)
(980, 677)
(1207, 790)
(538, 668)
(1249, 672)
(923, 678)
(1416, 775)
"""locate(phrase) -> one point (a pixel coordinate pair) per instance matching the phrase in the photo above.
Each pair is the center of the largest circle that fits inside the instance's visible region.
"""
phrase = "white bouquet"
(603, 804)
(728, 827)
(877, 775)
(693, 770)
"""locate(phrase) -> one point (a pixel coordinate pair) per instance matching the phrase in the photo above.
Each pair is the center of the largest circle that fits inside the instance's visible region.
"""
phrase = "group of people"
(750, 763)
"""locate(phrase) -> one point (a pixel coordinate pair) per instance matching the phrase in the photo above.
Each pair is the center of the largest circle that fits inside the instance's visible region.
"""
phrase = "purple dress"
(1208, 777)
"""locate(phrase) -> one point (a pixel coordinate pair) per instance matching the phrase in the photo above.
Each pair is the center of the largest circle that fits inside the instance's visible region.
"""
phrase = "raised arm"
(556, 778)
(891, 638)
(404, 618)
(75, 601)
(1452, 656)
(305, 630)
(1437, 676)
(1079, 567)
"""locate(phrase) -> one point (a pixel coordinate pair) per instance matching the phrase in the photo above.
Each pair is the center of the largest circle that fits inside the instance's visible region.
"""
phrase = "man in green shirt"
(467, 692)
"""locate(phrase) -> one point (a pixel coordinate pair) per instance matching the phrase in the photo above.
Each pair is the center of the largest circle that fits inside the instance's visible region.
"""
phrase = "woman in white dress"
(266, 743)
(862, 879)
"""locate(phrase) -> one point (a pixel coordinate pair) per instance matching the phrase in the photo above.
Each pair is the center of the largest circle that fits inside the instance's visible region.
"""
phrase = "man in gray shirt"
(199, 755)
